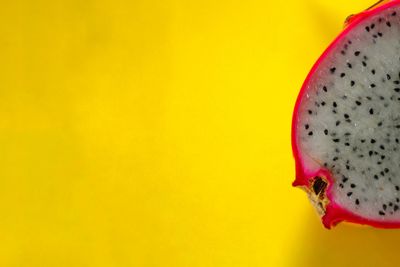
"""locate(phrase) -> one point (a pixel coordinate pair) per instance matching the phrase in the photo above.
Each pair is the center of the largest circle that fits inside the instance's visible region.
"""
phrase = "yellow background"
(157, 133)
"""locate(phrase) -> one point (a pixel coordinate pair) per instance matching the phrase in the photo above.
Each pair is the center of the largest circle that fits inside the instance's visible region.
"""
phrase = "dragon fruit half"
(346, 123)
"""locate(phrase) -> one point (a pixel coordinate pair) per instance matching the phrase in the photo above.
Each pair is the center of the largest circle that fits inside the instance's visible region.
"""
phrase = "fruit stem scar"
(316, 191)
(319, 185)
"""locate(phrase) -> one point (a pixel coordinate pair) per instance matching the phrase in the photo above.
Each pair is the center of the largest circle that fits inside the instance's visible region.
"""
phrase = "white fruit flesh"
(349, 118)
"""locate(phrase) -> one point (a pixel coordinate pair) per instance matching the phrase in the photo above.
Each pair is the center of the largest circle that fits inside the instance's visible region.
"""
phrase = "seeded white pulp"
(349, 122)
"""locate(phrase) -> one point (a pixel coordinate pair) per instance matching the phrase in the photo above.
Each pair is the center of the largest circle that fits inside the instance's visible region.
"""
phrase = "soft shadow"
(327, 23)
(345, 245)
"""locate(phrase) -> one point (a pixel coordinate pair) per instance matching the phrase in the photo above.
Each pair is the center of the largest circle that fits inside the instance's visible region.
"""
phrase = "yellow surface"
(157, 133)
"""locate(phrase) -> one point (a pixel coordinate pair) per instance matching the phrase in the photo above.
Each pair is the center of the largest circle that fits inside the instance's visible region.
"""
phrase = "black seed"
(373, 71)
(349, 194)
(372, 85)
(386, 170)
(367, 29)
(397, 188)
(342, 74)
(370, 153)
(373, 141)
(388, 76)
(390, 204)
(371, 111)
(395, 207)
(349, 65)
(334, 104)
(342, 52)
(346, 144)
(380, 34)
(323, 103)
(357, 202)
(306, 126)
(397, 89)
(372, 26)
(346, 116)
(397, 140)
(347, 167)
(368, 97)
(310, 111)
(337, 123)
(326, 132)
(325, 89)
(341, 185)
(335, 158)
(376, 177)
(332, 70)
(310, 133)
(344, 179)
(352, 185)
(352, 83)
(336, 140)
(357, 53)
(396, 82)
(381, 213)
(358, 103)
(388, 24)
(375, 36)
(362, 140)
(397, 199)
(382, 147)
(383, 157)
(380, 124)
(364, 63)
(397, 126)
(384, 206)
(394, 13)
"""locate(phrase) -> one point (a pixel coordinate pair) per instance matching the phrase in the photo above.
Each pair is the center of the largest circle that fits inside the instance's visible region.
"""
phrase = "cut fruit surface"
(346, 123)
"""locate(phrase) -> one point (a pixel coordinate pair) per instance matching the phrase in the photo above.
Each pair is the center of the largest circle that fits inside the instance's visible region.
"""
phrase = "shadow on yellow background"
(345, 245)
(157, 133)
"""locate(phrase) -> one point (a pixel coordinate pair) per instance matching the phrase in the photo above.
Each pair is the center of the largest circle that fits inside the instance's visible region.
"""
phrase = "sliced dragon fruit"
(346, 123)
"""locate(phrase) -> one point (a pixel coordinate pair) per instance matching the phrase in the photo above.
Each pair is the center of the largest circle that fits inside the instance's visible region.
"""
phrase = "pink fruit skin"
(334, 213)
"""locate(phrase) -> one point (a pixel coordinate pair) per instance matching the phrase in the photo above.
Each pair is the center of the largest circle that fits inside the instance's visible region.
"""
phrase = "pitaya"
(346, 123)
